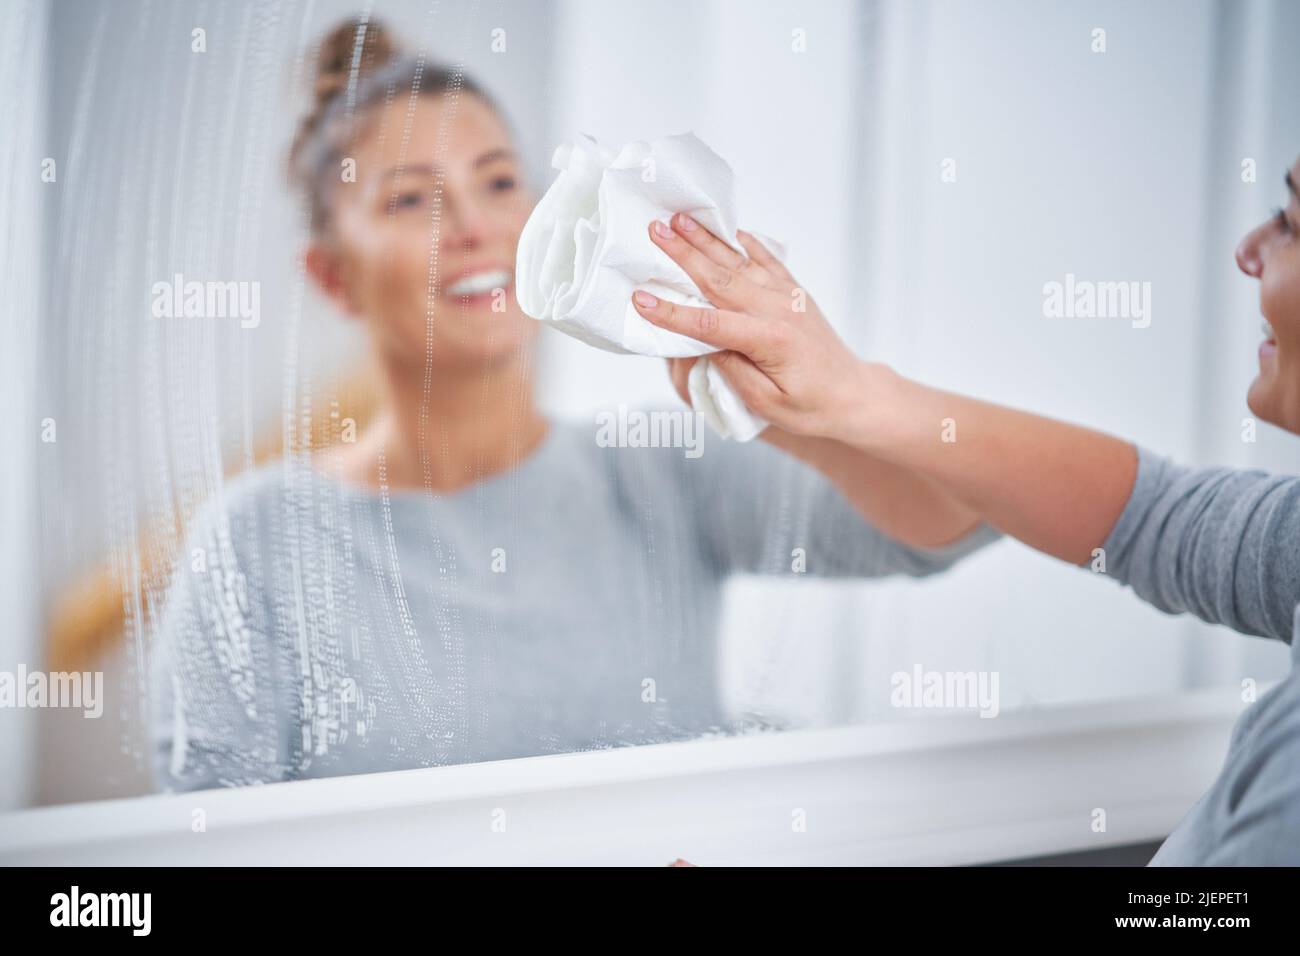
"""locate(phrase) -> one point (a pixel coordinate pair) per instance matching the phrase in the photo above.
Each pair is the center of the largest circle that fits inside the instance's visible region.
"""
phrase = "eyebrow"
(427, 169)
(493, 155)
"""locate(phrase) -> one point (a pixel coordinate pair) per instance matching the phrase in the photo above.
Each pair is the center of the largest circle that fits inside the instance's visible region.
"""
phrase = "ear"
(325, 267)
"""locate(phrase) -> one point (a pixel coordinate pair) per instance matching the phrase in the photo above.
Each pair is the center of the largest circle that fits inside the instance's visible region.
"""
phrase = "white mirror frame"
(935, 790)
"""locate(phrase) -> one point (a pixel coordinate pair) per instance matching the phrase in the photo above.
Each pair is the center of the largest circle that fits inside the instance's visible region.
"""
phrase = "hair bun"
(368, 44)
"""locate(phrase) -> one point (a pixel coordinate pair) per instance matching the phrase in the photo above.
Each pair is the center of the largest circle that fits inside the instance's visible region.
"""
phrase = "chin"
(500, 347)
(1258, 397)
(463, 338)
(1268, 402)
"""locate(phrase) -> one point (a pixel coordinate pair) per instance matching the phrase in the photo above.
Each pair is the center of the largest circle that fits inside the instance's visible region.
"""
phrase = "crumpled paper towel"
(585, 249)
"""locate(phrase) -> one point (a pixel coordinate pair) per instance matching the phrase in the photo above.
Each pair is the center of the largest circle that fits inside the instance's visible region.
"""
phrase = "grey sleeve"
(765, 512)
(216, 679)
(1216, 542)
(1263, 807)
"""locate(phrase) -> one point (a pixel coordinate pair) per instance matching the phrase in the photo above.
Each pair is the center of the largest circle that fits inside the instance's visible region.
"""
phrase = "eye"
(1282, 222)
(501, 184)
(407, 200)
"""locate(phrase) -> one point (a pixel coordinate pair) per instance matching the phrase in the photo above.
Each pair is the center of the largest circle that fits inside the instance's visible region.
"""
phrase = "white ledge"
(937, 789)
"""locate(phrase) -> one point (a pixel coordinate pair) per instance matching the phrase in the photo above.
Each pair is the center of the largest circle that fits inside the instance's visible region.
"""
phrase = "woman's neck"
(447, 430)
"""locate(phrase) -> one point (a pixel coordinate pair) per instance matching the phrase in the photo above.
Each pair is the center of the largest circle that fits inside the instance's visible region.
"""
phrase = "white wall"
(1067, 161)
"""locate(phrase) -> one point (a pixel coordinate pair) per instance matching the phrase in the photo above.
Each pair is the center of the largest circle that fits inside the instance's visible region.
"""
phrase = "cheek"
(390, 267)
(1280, 295)
(516, 215)
(1275, 394)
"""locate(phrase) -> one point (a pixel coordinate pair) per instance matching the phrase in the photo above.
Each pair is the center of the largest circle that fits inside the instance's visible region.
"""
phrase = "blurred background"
(930, 165)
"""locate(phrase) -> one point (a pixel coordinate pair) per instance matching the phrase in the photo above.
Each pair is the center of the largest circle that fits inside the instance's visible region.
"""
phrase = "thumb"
(749, 382)
(679, 370)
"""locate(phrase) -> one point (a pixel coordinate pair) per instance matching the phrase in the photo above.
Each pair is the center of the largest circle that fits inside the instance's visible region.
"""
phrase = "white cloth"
(585, 249)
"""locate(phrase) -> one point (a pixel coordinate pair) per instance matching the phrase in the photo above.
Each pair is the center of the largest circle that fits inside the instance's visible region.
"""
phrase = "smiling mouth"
(1268, 347)
(479, 284)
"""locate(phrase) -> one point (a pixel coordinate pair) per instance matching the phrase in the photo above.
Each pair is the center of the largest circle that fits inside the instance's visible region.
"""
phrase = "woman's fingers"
(753, 387)
(706, 242)
(717, 327)
(748, 381)
(721, 253)
(763, 256)
(723, 286)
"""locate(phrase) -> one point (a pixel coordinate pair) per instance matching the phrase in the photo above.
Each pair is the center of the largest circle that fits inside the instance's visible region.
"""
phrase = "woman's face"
(422, 244)
(1271, 253)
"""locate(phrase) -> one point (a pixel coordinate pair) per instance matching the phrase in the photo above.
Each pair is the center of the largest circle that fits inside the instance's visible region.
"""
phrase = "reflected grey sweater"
(1225, 545)
(316, 629)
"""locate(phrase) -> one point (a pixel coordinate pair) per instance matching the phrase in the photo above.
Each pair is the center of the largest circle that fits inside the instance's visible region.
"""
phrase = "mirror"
(301, 491)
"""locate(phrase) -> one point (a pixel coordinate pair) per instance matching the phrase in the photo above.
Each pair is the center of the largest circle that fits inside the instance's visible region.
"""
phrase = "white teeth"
(1267, 330)
(480, 282)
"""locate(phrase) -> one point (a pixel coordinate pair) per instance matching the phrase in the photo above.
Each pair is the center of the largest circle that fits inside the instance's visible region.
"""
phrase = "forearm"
(1057, 487)
(912, 509)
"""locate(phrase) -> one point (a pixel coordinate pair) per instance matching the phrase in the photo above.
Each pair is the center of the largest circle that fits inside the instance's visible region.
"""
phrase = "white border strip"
(946, 789)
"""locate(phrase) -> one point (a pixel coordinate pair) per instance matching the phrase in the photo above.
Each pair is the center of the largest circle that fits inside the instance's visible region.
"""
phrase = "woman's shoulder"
(238, 494)
(241, 515)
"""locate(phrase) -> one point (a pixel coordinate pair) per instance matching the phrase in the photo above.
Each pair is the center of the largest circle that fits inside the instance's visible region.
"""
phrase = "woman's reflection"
(468, 581)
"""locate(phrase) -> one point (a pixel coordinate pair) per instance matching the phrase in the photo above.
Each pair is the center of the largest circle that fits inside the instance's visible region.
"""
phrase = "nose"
(1250, 258)
(464, 225)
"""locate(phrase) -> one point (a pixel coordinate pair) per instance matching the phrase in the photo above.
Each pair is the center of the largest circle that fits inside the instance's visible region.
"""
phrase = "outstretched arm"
(904, 504)
(908, 507)
(1057, 487)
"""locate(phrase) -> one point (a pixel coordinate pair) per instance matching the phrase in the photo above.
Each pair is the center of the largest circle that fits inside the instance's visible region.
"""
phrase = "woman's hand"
(780, 354)
(788, 365)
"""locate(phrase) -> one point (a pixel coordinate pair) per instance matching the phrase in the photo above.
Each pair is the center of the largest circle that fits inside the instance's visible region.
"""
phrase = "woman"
(469, 581)
(1221, 544)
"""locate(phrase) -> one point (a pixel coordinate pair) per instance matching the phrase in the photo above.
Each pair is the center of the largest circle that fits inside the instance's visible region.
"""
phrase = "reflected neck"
(449, 429)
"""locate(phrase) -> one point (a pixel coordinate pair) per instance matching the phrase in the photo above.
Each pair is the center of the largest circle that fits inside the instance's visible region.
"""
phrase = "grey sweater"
(1225, 545)
(316, 628)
